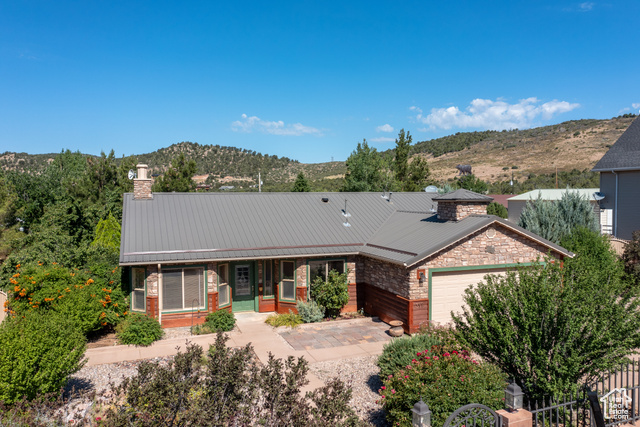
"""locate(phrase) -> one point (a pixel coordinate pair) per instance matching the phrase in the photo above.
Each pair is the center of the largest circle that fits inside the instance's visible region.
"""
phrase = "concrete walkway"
(306, 341)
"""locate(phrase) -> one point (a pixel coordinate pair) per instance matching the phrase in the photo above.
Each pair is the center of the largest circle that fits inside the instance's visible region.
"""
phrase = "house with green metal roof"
(619, 172)
(409, 256)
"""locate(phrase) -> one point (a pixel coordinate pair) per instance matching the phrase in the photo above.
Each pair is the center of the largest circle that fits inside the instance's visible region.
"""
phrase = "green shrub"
(445, 382)
(310, 312)
(217, 321)
(289, 319)
(139, 329)
(92, 303)
(449, 341)
(398, 353)
(37, 354)
(332, 294)
(497, 209)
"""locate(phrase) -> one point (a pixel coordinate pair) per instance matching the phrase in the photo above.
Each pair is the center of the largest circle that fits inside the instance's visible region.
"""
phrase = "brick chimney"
(142, 184)
(460, 204)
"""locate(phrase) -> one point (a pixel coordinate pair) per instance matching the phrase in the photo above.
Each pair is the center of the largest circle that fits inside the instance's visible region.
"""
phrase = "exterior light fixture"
(421, 415)
(422, 278)
(513, 397)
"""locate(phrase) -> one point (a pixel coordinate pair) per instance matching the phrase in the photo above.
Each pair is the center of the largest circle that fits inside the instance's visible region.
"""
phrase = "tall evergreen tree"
(178, 177)
(401, 161)
(417, 176)
(301, 185)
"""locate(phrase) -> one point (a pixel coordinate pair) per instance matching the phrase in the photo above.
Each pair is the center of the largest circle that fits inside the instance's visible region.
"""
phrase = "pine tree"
(401, 162)
(178, 177)
(301, 185)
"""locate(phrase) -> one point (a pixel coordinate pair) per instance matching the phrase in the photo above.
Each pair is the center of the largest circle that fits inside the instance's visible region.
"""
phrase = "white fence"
(3, 298)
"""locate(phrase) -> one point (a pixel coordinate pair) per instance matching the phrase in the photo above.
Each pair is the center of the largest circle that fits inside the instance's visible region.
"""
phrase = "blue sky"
(305, 79)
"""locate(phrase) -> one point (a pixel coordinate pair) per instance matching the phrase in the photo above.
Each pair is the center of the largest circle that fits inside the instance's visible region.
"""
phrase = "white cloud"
(382, 139)
(636, 105)
(587, 6)
(496, 115)
(255, 124)
(385, 128)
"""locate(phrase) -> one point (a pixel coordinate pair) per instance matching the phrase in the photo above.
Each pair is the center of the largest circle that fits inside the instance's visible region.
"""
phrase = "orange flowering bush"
(91, 303)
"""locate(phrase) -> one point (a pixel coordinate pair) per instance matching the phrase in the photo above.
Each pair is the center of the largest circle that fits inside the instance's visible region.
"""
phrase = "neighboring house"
(517, 203)
(192, 253)
(620, 182)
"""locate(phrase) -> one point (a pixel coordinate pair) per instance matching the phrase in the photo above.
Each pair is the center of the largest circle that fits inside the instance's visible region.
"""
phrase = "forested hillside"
(494, 155)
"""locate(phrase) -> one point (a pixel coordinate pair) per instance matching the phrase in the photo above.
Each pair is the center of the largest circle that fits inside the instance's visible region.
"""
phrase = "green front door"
(242, 287)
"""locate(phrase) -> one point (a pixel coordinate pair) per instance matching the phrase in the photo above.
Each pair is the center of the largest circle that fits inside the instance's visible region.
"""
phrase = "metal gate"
(473, 415)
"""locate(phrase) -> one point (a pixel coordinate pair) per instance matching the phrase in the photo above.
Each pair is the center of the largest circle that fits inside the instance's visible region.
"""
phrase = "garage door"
(447, 290)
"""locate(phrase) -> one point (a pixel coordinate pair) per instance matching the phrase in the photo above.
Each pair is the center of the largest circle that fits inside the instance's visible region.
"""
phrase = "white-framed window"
(267, 286)
(288, 281)
(321, 268)
(183, 288)
(223, 285)
(138, 280)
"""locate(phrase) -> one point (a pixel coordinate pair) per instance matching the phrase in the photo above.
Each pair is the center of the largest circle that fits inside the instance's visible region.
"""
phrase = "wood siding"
(176, 320)
(352, 305)
(627, 218)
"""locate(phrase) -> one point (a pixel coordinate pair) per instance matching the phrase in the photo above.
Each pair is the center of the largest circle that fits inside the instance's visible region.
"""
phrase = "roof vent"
(325, 200)
(344, 211)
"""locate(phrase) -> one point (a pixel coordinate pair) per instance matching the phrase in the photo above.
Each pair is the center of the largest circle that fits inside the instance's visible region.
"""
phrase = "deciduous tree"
(364, 169)
(556, 324)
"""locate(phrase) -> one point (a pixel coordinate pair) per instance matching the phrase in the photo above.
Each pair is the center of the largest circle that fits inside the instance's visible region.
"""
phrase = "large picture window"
(138, 279)
(321, 268)
(287, 281)
(267, 289)
(183, 288)
(223, 285)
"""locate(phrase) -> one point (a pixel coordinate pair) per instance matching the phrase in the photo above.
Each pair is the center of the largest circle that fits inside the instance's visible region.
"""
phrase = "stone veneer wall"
(152, 280)
(478, 249)
(385, 275)
(142, 188)
(505, 247)
(455, 211)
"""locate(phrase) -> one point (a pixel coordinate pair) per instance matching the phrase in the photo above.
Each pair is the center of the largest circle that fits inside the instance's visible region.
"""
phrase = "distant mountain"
(493, 155)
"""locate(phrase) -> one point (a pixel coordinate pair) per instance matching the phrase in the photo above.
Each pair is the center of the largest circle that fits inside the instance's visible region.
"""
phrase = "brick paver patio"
(329, 335)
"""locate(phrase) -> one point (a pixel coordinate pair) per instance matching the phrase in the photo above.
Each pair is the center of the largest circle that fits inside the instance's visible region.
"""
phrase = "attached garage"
(448, 286)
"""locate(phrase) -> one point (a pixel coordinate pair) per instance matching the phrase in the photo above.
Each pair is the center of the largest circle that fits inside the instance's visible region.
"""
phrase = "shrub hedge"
(139, 329)
(38, 352)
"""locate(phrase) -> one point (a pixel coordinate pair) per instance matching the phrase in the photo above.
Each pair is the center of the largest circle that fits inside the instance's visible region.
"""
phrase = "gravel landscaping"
(361, 373)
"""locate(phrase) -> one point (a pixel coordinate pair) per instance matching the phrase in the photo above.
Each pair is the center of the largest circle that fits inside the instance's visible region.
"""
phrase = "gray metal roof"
(463, 195)
(625, 153)
(193, 227)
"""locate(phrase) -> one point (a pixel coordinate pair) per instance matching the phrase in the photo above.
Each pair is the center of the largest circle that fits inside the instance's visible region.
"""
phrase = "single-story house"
(620, 182)
(517, 203)
(409, 256)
